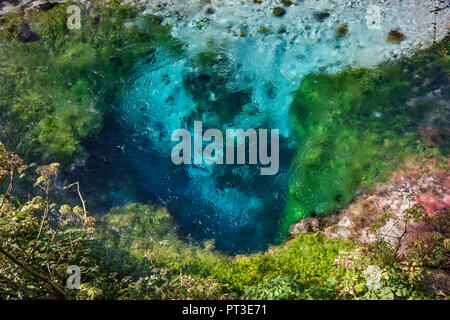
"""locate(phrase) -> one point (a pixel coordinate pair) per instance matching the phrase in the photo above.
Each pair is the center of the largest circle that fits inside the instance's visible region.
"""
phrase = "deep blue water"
(129, 160)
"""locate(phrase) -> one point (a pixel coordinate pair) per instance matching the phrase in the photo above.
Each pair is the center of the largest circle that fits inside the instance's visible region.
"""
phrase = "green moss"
(207, 59)
(10, 25)
(354, 127)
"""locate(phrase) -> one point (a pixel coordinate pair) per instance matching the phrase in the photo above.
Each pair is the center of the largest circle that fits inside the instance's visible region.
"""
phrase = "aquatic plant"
(57, 89)
(354, 127)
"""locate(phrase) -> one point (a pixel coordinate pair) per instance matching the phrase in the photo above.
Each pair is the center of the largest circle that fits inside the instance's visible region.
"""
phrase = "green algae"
(57, 89)
(355, 127)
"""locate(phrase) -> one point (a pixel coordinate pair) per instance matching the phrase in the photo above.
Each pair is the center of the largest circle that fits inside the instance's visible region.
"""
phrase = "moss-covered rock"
(279, 11)
(342, 30)
(210, 10)
(54, 94)
(395, 36)
(321, 15)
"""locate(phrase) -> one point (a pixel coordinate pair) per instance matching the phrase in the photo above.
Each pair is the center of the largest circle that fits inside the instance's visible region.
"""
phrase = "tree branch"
(36, 274)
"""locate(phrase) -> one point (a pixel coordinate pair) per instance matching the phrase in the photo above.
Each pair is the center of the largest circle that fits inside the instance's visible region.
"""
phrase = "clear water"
(249, 86)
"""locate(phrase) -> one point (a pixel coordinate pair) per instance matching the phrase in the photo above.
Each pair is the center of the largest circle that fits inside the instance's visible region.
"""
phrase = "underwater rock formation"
(395, 36)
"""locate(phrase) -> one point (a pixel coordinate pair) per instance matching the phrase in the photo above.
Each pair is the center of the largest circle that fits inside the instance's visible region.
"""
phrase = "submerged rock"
(210, 10)
(263, 30)
(95, 20)
(45, 6)
(395, 36)
(214, 89)
(279, 11)
(342, 30)
(322, 15)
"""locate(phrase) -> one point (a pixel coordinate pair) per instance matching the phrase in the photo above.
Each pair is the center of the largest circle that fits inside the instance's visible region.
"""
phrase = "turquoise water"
(233, 204)
(225, 81)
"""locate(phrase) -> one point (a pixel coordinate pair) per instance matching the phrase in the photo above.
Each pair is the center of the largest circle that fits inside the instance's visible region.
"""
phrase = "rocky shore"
(417, 183)
(426, 184)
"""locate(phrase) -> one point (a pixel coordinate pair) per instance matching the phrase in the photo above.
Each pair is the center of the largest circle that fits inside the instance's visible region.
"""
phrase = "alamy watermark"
(373, 277)
(233, 148)
(74, 280)
(74, 20)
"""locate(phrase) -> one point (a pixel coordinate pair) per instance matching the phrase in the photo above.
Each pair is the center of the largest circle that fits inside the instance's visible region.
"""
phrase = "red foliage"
(432, 203)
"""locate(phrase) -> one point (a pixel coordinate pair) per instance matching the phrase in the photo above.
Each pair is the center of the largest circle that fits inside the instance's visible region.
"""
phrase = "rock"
(282, 30)
(263, 30)
(395, 36)
(26, 35)
(257, 1)
(279, 11)
(210, 10)
(11, 9)
(305, 225)
(322, 15)
(417, 182)
(342, 30)
(214, 79)
(286, 3)
(438, 280)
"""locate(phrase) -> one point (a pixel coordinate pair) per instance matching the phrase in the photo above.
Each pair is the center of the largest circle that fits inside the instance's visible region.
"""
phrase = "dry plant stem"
(83, 202)
(44, 217)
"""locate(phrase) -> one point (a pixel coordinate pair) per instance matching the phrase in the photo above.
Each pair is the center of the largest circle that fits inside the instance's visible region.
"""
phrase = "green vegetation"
(144, 231)
(134, 253)
(354, 127)
(131, 253)
(56, 90)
